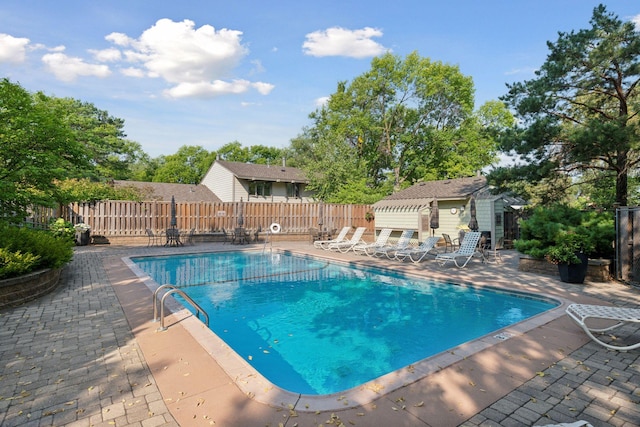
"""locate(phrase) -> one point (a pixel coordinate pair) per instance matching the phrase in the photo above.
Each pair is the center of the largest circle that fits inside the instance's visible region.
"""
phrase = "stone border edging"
(18, 290)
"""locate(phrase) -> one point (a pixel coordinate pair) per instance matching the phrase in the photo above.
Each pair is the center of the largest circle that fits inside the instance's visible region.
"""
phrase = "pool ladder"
(173, 290)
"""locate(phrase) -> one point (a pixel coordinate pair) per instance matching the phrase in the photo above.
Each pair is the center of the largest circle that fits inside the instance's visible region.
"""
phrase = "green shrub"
(544, 229)
(38, 248)
(15, 263)
(568, 245)
(61, 228)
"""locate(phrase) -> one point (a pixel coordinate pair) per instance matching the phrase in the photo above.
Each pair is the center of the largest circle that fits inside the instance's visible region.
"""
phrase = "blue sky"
(211, 72)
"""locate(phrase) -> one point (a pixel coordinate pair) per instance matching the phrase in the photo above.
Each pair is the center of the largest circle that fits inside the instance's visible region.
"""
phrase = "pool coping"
(258, 388)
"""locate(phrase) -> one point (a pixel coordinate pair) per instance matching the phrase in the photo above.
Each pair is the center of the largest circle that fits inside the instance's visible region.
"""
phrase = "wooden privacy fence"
(127, 218)
(627, 244)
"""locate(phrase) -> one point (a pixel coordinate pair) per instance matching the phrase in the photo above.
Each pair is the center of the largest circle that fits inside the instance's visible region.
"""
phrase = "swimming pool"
(314, 327)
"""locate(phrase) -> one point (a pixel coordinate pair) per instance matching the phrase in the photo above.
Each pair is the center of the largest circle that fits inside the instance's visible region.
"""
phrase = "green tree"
(102, 135)
(404, 120)
(85, 190)
(37, 148)
(330, 164)
(145, 168)
(233, 152)
(581, 111)
(263, 155)
(257, 154)
(187, 166)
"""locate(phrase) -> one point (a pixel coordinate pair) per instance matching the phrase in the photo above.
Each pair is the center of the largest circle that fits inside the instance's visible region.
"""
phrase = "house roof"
(422, 193)
(163, 191)
(512, 201)
(255, 172)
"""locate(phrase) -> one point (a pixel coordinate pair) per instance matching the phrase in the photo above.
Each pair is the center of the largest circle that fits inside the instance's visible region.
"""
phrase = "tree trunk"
(622, 178)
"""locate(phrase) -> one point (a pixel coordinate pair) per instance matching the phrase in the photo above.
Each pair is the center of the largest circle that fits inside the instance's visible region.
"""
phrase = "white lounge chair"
(390, 250)
(345, 247)
(468, 248)
(418, 254)
(323, 244)
(370, 248)
(581, 312)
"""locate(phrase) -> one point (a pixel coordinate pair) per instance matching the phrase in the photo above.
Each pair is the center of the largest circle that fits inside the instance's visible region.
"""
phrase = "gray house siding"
(232, 181)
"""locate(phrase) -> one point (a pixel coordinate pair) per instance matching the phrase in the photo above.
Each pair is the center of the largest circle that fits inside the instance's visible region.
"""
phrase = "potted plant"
(369, 216)
(570, 253)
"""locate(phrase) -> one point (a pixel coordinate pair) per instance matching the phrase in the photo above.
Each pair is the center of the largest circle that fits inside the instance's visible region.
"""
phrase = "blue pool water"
(313, 327)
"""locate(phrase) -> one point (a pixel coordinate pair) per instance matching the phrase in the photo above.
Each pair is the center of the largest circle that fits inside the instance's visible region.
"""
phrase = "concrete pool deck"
(88, 354)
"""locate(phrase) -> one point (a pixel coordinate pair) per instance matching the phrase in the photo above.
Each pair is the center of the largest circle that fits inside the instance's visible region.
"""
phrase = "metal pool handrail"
(173, 290)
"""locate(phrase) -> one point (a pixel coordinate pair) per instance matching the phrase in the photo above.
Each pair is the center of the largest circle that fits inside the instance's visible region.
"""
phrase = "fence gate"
(628, 244)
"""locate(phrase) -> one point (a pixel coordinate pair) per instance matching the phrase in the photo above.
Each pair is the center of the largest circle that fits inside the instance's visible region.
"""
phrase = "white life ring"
(275, 228)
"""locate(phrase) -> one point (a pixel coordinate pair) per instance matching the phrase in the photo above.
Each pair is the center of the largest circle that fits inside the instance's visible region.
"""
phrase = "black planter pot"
(574, 273)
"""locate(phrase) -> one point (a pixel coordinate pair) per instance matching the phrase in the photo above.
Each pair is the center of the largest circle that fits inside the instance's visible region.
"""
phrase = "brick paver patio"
(72, 358)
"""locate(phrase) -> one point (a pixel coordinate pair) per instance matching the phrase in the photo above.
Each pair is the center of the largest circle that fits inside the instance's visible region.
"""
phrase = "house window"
(499, 219)
(293, 190)
(260, 188)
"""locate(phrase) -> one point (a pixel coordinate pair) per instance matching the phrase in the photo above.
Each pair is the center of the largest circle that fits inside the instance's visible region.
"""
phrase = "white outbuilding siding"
(411, 208)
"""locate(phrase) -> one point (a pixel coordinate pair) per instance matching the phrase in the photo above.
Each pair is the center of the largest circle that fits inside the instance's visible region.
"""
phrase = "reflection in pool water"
(313, 327)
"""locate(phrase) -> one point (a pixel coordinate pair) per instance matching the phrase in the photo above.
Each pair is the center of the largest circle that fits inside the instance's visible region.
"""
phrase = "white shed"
(411, 209)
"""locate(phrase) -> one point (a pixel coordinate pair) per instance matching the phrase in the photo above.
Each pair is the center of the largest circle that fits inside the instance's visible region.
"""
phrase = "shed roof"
(163, 191)
(255, 172)
(422, 193)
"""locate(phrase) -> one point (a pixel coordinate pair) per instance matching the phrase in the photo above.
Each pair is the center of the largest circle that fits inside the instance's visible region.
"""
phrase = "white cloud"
(257, 67)
(13, 49)
(338, 41)
(207, 89)
(68, 68)
(216, 88)
(133, 72)
(197, 61)
(119, 39)
(525, 70)
(263, 88)
(322, 101)
(106, 55)
(636, 21)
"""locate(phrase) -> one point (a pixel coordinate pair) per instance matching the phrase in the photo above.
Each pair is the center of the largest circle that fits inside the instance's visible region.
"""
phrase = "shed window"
(293, 190)
(260, 188)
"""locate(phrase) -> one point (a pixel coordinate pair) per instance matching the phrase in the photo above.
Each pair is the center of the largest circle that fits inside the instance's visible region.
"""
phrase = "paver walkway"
(71, 358)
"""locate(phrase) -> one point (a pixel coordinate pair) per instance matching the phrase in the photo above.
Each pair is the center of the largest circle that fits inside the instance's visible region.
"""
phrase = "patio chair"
(324, 244)
(580, 313)
(154, 239)
(345, 247)
(189, 237)
(493, 255)
(450, 245)
(427, 247)
(370, 248)
(256, 234)
(390, 250)
(228, 237)
(468, 249)
(314, 233)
